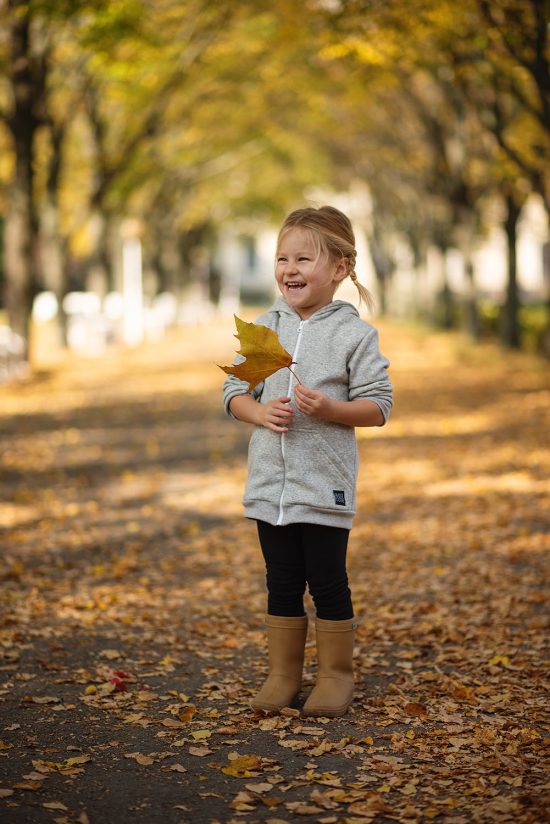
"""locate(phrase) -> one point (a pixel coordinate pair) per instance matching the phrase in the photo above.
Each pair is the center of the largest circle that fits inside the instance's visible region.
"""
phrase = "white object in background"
(113, 306)
(166, 305)
(44, 307)
(132, 291)
(81, 303)
(12, 349)
(86, 327)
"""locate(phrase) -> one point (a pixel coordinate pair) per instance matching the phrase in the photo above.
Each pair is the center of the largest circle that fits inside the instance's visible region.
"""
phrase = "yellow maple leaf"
(504, 660)
(263, 352)
(243, 766)
(200, 735)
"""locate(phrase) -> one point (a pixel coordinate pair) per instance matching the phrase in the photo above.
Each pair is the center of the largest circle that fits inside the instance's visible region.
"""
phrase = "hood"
(281, 307)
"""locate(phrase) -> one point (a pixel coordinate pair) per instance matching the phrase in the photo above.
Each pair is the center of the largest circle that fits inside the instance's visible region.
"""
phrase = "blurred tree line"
(185, 113)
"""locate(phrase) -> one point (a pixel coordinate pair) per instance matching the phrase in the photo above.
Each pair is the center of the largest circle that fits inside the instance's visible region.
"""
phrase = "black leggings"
(297, 554)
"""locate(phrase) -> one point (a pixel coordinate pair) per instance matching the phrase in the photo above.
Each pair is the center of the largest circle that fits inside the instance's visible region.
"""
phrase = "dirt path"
(132, 599)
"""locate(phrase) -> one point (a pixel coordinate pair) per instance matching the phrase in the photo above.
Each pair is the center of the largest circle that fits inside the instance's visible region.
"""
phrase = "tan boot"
(286, 640)
(333, 691)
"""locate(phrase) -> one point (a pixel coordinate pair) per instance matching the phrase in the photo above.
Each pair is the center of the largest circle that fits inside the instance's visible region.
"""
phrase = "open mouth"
(294, 285)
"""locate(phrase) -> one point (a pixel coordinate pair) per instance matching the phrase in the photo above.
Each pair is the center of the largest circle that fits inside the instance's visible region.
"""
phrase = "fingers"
(304, 397)
(279, 414)
(277, 424)
(310, 401)
(275, 428)
(281, 410)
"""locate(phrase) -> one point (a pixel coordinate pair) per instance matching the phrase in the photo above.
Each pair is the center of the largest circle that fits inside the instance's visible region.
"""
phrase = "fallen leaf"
(259, 788)
(243, 802)
(144, 760)
(242, 766)
(200, 735)
(300, 808)
(418, 710)
(309, 731)
(177, 768)
(458, 742)
(200, 752)
(500, 659)
(29, 785)
(227, 730)
(293, 744)
(78, 759)
(110, 654)
(172, 723)
(55, 805)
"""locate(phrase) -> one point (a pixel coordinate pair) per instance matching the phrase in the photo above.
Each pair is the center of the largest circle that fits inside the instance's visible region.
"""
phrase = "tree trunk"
(446, 315)
(472, 311)
(20, 240)
(383, 267)
(21, 224)
(510, 327)
(100, 268)
(53, 251)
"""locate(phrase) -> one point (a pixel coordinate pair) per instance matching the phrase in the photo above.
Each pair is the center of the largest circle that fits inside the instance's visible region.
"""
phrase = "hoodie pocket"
(317, 476)
(265, 467)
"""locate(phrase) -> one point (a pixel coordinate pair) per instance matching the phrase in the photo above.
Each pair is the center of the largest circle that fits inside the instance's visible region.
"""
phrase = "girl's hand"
(312, 402)
(277, 414)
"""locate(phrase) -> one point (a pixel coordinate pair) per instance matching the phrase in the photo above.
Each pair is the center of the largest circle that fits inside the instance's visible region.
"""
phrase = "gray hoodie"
(309, 473)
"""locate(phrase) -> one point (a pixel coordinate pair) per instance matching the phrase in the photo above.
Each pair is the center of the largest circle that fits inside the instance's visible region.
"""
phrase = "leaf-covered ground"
(133, 596)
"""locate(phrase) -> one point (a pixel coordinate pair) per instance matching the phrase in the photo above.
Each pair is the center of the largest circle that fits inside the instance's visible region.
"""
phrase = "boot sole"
(269, 709)
(326, 713)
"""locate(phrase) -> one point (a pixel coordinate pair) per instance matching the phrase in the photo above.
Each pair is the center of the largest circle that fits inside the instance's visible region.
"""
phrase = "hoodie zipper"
(290, 382)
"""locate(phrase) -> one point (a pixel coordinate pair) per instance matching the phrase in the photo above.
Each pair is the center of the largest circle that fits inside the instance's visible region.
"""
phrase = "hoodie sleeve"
(233, 386)
(368, 377)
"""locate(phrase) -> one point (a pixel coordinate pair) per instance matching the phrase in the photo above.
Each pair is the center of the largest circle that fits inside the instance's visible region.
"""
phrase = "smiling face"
(306, 276)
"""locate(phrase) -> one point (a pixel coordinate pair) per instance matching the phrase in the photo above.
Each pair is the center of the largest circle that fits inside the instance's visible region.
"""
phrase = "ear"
(341, 270)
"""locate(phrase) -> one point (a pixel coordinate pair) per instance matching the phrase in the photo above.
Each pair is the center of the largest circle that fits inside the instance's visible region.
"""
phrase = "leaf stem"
(295, 375)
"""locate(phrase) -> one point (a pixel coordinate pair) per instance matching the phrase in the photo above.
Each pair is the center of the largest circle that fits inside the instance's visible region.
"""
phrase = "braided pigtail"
(364, 294)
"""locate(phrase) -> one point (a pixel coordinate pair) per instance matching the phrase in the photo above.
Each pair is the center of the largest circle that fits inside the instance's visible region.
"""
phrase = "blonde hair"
(332, 234)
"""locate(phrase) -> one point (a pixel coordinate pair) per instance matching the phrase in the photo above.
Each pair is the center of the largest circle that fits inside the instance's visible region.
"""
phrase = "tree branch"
(487, 12)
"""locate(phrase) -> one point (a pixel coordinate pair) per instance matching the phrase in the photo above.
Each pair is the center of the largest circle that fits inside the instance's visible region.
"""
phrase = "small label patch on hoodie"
(339, 497)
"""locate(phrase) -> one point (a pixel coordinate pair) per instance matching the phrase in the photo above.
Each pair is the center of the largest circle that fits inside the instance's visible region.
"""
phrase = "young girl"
(302, 463)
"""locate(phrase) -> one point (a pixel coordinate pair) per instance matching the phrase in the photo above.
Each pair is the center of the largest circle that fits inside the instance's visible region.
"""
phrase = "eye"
(303, 258)
(281, 259)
